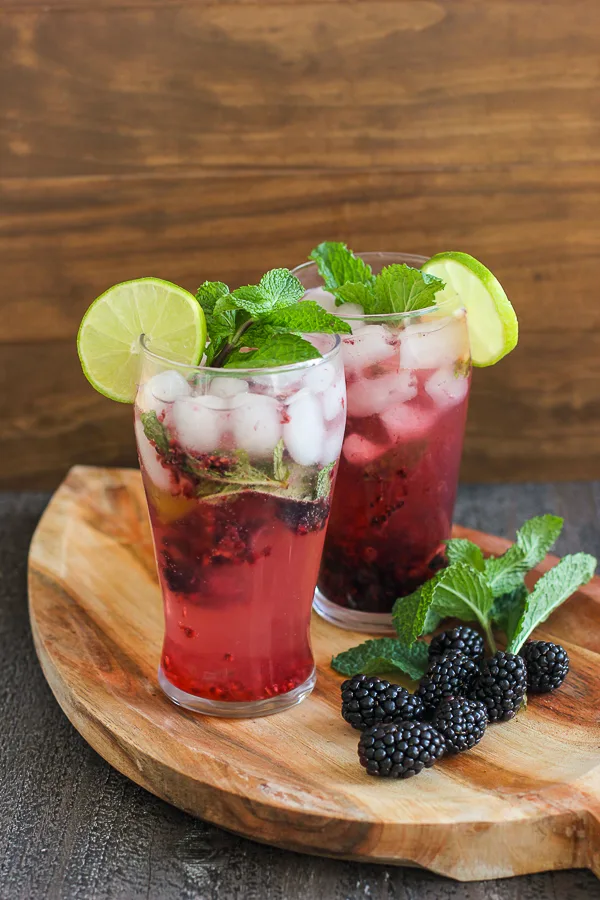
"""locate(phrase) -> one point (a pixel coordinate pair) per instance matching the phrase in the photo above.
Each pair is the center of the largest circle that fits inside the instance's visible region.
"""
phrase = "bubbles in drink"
(304, 433)
(369, 346)
(372, 395)
(446, 388)
(428, 345)
(256, 424)
(199, 422)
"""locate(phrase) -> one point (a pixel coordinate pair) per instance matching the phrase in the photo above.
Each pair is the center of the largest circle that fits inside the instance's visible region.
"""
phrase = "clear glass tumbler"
(238, 468)
(408, 379)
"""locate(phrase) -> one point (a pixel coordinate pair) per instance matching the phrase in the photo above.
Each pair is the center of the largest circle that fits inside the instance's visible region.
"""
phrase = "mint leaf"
(281, 350)
(281, 288)
(221, 329)
(536, 537)
(155, 431)
(352, 292)
(277, 288)
(505, 573)
(324, 477)
(409, 614)
(400, 288)
(551, 590)
(462, 550)
(383, 655)
(337, 265)
(508, 609)
(432, 620)
(280, 470)
(463, 592)
(306, 317)
(209, 293)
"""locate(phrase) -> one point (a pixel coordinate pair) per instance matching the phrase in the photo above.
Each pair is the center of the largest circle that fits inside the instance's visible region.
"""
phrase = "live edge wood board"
(527, 799)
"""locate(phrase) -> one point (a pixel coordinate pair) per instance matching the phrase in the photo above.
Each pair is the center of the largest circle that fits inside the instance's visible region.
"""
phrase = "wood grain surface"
(526, 799)
(192, 139)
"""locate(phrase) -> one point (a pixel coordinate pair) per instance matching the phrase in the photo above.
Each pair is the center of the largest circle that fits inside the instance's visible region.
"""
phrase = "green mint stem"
(490, 638)
(226, 351)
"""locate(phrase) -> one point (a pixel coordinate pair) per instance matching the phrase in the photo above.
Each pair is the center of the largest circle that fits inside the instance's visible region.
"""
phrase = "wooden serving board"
(527, 799)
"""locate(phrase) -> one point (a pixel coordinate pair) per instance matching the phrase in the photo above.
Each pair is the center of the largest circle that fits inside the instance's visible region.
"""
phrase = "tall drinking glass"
(238, 468)
(408, 379)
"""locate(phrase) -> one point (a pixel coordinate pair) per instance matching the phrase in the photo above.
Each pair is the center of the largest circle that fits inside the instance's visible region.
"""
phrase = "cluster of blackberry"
(461, 692)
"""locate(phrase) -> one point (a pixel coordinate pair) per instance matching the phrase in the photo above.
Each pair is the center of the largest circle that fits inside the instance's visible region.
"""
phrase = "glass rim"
(391, 254)
(254, 372)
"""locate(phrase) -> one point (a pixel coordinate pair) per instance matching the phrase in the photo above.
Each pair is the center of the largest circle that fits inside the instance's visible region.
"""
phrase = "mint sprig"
(260, 325)
(383, 655)
(397, 289)
(488, 592)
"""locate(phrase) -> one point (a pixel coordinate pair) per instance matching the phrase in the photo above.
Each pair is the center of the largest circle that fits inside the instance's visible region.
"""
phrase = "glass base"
(236, 710)
(352, 619)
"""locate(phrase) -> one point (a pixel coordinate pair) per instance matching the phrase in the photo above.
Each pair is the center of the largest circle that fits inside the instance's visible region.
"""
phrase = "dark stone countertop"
(71, 827)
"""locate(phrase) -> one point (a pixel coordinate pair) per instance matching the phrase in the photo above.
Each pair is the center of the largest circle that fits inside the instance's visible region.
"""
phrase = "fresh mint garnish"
(323, 486)
(338, 265)
(155, 431)
(463, 550)
(397, 289)
(489, 592)
(259, 326)
(383, 655)
(412, 615)
(553, 588)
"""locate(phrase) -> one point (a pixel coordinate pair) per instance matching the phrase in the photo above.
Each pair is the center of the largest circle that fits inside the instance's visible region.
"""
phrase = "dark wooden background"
(192, 139)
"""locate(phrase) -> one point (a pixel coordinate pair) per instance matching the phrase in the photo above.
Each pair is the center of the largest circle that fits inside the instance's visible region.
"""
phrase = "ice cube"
(407, 422)
(333, 399)
(370, 345)
(162, 389)
(323, 298)
(429, 345)
(360, 451)
(228, 387)
(150, 460)
(372, 395)
(304, 433)
(319, 377)
(447, 389)
(334, 437)
(256, 424)
(199, 422)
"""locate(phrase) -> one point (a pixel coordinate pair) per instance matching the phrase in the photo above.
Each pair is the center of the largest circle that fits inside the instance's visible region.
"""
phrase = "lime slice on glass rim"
(492, 322)
(108, 342)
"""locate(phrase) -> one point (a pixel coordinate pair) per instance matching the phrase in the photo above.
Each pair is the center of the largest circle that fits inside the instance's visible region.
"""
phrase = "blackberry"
(303, 516)
(501, 686)
(547, 666)
(452, 675)
(367, 700)
(461, 722)
(462, 639)
(399, 750)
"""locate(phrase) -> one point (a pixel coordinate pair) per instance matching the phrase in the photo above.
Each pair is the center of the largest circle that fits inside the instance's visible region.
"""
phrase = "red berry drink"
(238, 471)
(408, 379)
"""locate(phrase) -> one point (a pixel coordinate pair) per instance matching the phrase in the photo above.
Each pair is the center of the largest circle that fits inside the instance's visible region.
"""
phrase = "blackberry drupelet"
(547, 666)
(463, 639)
(367, 700)
(399, 750)
(461, 723)
(501, 686)
(452, 675)
(303, 516)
